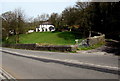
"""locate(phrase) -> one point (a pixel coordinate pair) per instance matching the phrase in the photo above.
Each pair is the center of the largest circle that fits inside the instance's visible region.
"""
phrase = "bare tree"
(19, 19)
(13, 21)
(7, 18)
(82, 5)
(44, 17)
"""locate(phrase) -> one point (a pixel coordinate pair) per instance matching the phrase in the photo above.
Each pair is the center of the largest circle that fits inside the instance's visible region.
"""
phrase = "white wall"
(30, 31)
(44, 27)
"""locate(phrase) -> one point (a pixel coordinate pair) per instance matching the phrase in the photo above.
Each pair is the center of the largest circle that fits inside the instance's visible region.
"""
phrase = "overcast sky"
(32, 8)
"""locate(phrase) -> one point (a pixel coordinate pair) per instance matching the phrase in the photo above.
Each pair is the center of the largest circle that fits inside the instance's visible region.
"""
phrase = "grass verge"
(92, 47)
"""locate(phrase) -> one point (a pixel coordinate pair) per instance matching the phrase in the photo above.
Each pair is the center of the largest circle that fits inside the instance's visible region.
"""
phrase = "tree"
(106, 18)
(19, 23)
(55, 19)
(39, 20)
(7, 18)
(82, 5)
(43, 17)
(13, 21)
(84, 17)
(70, 15)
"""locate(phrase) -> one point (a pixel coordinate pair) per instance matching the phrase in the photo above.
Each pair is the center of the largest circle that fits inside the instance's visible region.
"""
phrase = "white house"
(30, 31)
(46, 26)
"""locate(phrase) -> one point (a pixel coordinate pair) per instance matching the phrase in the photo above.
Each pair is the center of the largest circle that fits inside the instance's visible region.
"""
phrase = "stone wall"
(99, 38)
(96, 39)
(62, 48)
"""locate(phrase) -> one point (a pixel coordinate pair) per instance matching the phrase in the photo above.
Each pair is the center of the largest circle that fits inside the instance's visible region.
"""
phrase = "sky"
(33, 8)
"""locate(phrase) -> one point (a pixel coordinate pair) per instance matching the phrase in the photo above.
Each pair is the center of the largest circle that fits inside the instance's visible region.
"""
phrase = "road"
(28, 68)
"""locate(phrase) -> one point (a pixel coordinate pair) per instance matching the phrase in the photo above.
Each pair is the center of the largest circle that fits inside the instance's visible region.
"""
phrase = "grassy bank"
(55, 38)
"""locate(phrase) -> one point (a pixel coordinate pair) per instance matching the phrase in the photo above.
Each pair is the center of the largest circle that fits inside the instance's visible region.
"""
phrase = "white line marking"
(6, 74)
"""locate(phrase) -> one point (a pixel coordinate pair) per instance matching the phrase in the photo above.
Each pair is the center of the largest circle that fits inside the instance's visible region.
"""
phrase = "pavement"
(112, 47)
(96, 51)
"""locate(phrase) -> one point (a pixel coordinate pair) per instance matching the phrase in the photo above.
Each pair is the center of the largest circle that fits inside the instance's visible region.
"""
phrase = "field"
(54, 38)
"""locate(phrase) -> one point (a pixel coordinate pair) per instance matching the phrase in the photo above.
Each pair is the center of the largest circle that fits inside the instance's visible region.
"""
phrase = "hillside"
(55, 38)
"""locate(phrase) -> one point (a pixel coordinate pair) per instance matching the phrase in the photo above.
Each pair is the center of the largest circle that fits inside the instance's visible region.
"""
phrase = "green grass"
(55, 38)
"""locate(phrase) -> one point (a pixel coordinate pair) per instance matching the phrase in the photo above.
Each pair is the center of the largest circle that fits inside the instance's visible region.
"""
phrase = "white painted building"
(30, 31)
(45, 27)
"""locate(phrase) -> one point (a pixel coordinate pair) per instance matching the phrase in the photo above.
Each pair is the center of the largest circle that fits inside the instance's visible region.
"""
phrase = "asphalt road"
(105, 60)
(28, 68)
